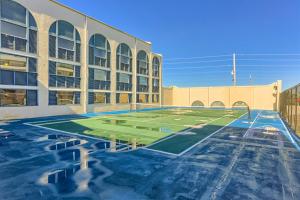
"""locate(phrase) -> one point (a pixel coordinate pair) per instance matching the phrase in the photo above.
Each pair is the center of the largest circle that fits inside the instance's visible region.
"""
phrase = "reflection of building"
(264, 97)
(55, 60)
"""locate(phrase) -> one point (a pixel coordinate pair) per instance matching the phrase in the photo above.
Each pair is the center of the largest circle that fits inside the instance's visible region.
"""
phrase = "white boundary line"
(247, 132)
(178, 133)
(69, 133)
(191, 147)
(158, 151)
(290, 135)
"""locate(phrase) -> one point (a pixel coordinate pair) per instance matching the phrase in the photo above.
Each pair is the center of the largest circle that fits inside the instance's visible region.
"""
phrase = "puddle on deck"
(123, 123)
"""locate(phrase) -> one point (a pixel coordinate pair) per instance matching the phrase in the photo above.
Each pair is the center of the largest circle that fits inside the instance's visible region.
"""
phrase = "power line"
(195, 67)
(270, 54)
(195, 62)
(192, 58)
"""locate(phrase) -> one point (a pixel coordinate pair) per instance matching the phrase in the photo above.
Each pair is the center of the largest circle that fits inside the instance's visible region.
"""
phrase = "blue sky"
(199, 28)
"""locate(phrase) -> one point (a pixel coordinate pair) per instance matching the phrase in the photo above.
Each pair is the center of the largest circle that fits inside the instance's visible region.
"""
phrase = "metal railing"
(290, 107)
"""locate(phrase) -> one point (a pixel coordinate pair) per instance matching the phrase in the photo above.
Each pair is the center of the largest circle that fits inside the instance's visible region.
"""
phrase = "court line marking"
(247, 132)
(158, 151)
(69, 133)
(290, 135)
(190, 129)
(194, 145)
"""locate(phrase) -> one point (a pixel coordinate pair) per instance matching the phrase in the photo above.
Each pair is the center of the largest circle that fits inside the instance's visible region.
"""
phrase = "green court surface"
(157, 129)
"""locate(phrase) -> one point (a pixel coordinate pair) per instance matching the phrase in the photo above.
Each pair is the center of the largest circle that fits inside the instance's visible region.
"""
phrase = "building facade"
(56, 61)
(262, 97)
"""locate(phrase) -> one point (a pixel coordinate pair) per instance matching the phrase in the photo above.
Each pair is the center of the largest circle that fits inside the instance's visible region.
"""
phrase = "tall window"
(124, 58)
(19, 34)
(142, 63)
(18, 27)
(99, 55)
(64, 41)
(155, 67)
(99, 51)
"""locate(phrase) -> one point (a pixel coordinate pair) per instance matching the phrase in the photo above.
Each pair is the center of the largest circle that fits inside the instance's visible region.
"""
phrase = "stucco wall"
(257, 97)
(47, 12)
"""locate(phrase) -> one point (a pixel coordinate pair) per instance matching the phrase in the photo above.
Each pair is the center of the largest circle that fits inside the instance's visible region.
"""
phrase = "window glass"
(99, 97)
(64, 69)
(124, 78)
(13, 11)
(32, 99)
(64, 98)
(100, 41)
(14, 63)
(142, 98)
(143, 81)
(123, 98)
(100, 53)
(155, 82)
(125, 50)
(12, 97)
(65, 44)
(65, 29)
(12, 29)
(125, 60)
(32, 22)
(155, 98)
(32, 41)
(100, 75)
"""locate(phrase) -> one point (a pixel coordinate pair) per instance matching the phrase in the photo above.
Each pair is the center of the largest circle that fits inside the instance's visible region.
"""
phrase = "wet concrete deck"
(235, 163)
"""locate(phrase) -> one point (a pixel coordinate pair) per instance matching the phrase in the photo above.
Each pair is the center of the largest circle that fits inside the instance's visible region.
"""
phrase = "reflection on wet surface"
(123, 123)
(263, 165)
(64, 145)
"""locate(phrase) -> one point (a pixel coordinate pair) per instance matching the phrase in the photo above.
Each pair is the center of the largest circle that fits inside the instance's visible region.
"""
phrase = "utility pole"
(233, 70)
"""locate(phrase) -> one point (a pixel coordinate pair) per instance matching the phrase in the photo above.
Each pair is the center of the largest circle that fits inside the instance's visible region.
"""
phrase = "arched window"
(99, 51)
(64, 41)
(124, 58)
(240, 104)
(18, 28)
(19, 34)
(217, 104)
(155, 67)
(142, 63)
(197, 103)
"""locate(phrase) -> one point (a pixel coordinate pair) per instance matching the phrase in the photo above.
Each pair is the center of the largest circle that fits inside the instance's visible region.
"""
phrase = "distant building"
(55, 60)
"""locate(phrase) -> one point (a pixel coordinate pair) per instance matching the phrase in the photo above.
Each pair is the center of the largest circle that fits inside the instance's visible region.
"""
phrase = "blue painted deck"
(256, 159)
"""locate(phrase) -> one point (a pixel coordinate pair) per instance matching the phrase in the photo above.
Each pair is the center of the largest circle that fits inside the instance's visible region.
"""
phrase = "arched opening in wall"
(240, 104)
(217, 104)
(198, 103)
